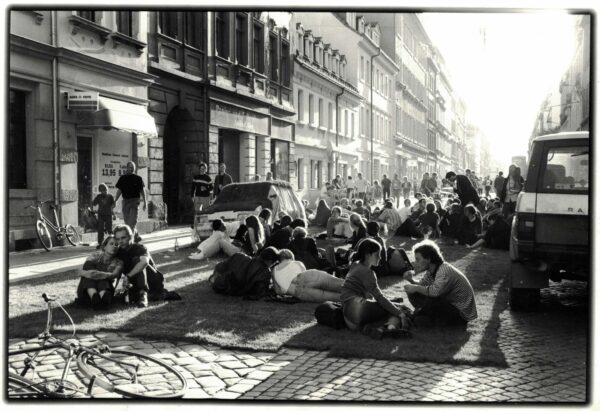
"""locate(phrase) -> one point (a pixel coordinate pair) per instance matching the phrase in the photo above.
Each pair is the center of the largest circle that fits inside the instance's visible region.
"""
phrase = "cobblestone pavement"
(545, 351)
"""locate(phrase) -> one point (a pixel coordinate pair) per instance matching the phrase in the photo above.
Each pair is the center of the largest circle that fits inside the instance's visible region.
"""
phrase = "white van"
(550, 231)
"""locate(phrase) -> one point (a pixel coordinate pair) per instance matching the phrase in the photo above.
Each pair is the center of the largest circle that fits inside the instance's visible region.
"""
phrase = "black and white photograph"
(298, 205)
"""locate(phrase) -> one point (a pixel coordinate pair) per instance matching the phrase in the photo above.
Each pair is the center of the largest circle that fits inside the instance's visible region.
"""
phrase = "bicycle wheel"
(131, 374)
(21, 388)
(43, 235)
(72, 235)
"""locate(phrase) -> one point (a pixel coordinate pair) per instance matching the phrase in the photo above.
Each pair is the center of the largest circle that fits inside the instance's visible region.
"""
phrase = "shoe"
(106, 299)
(375, 333)
(196, 256)
(143, 300)
(96, 301)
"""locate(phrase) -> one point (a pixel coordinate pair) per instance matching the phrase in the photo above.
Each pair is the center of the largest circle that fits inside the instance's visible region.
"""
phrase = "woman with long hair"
(513, 184)
(323, 213)
(444, 295)
(360, 311)
(250, 242)
(100, 269)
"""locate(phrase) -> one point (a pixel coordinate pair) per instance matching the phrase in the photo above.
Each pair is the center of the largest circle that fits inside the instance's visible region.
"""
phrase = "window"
(566, 169)
(300, 105)
(17, 136)
(258, 43)
(300, 174)
(125, 22)
(368, 72)
(352, 124)
(285, 63)
(321, 114)
(362, 68)
(87, 14)
(361, 120)
(342, 70)
(330, 123)
(311, 109)
(300, 44)
(167, 21)
(346, 131)
(194, 29)
(273, 59)
(241, 38)
(221, 34)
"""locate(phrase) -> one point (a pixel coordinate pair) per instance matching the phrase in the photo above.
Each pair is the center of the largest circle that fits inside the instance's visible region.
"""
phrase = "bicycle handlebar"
(48, 298)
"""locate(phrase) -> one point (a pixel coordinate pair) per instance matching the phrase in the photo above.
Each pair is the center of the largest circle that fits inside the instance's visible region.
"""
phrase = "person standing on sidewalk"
(201, 188)
(464, 188)
(135, 259)
(106, 204)
(362, 186)
(498, 183)
(350, 188)
(131, 187)
(386, 185)
(221, 180)
(397, 189)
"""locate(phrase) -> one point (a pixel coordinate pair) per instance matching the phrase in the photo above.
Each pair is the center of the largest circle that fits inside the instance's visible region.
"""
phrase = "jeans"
(386, 193)
(315, 286)
(201, 201)
(104, 226)
(130, 212)
(359, 311)
(211, 246)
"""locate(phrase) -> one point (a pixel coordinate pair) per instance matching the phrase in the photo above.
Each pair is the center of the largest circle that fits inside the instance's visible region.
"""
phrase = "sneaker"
(196, 256)
(96, 301)
(143, 300)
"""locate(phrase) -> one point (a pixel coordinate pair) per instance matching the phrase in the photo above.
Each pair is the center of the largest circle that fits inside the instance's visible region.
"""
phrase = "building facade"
(61, 148)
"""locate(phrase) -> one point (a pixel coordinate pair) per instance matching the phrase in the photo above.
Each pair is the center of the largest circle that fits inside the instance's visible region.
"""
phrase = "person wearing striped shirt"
(444, 295)
(390, 216)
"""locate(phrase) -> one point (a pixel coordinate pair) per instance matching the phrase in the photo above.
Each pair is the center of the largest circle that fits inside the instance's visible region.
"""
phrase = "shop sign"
(82, 100)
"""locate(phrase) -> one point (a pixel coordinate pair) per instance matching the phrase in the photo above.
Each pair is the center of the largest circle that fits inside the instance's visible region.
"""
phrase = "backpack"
(222, 281)
(398, 261)
(330, 314)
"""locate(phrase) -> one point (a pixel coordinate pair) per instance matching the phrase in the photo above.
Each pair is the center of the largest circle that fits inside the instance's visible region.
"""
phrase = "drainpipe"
(337, 130)
(372, 58)
(55, 113)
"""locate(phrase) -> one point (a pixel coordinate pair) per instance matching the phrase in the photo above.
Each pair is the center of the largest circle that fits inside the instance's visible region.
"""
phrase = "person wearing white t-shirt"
(405, 211)
(362, 186)
(290, 277)
(350, 187)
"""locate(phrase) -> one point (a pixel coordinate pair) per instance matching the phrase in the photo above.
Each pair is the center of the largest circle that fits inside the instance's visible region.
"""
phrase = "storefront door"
(84, 174)
(229, 152)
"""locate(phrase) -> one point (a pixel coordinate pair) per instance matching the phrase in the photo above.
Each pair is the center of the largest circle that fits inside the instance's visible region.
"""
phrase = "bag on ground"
(330, 314)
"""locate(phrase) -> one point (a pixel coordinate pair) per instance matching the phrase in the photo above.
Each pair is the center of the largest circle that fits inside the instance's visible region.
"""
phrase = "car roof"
(564, 136)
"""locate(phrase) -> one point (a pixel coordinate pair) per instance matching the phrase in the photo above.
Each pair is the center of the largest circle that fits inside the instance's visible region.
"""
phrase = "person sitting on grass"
(345, 204)
(305, 249)
(406, 210)
(361, 210)
(444, 296)
(290, 277)
(338, 224)
(323, 214)
(497, 235)
(496, 208)
(250, 238)
(450, 224)
(212, 245)
(99, 271)
(282, 237)
(430, 221)
(265, 219)
(359, 229)
(373, 228)
(390, 216)
(277, 224)
(470, 226)
(136, 260)
(360, 311)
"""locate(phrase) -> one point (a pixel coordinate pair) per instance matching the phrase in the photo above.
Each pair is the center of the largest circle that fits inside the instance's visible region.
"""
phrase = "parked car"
(550, 230)
(239, 200)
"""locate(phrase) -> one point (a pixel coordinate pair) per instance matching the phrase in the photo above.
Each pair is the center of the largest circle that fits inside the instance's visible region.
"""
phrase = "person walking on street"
(432, 184)
(362, 186)
(511, 188)
(201, 188)
(424, 185)
(397, 189)
(106, 204)
(406, 186)
(464, 188)
(488, 186)
(350, 188)
(221, 180)
(131, 187)
(498, 183)
(386, 185)
(135, 259)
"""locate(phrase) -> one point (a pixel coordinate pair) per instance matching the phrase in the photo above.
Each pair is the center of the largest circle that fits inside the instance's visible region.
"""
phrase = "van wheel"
(524, 299)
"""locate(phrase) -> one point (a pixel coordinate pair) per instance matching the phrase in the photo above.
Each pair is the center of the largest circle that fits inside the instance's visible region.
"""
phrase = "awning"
(121, 116)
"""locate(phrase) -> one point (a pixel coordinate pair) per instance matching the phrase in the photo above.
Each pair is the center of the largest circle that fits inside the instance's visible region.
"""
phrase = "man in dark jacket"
(221, 180)
(464, 188)
(498, 183)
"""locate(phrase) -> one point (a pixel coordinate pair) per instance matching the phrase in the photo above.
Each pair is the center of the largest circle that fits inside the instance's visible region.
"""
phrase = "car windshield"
(567, 169)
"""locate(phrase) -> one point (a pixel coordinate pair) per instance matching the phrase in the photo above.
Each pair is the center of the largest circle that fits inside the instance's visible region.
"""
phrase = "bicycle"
(42, 224)
(126, 373)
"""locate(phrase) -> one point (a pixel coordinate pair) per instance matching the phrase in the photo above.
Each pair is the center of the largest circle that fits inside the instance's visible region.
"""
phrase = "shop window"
(125, 22)
(241, 38)
(285, 63)
(280, 151)
(168, 25)
(194, 29)
(273, 59)
(258, 48)
(221, 34)
(17, 137)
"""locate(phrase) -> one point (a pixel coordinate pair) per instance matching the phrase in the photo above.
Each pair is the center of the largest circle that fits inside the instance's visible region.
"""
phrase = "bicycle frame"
(46, 221)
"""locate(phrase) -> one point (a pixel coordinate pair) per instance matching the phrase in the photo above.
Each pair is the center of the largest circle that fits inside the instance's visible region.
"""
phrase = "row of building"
(305, 95)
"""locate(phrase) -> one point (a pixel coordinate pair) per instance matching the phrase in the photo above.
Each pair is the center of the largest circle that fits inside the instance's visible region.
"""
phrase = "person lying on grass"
(444, 296)
(211, 246)
(290, 277)
(99, 271)
(360, 311)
